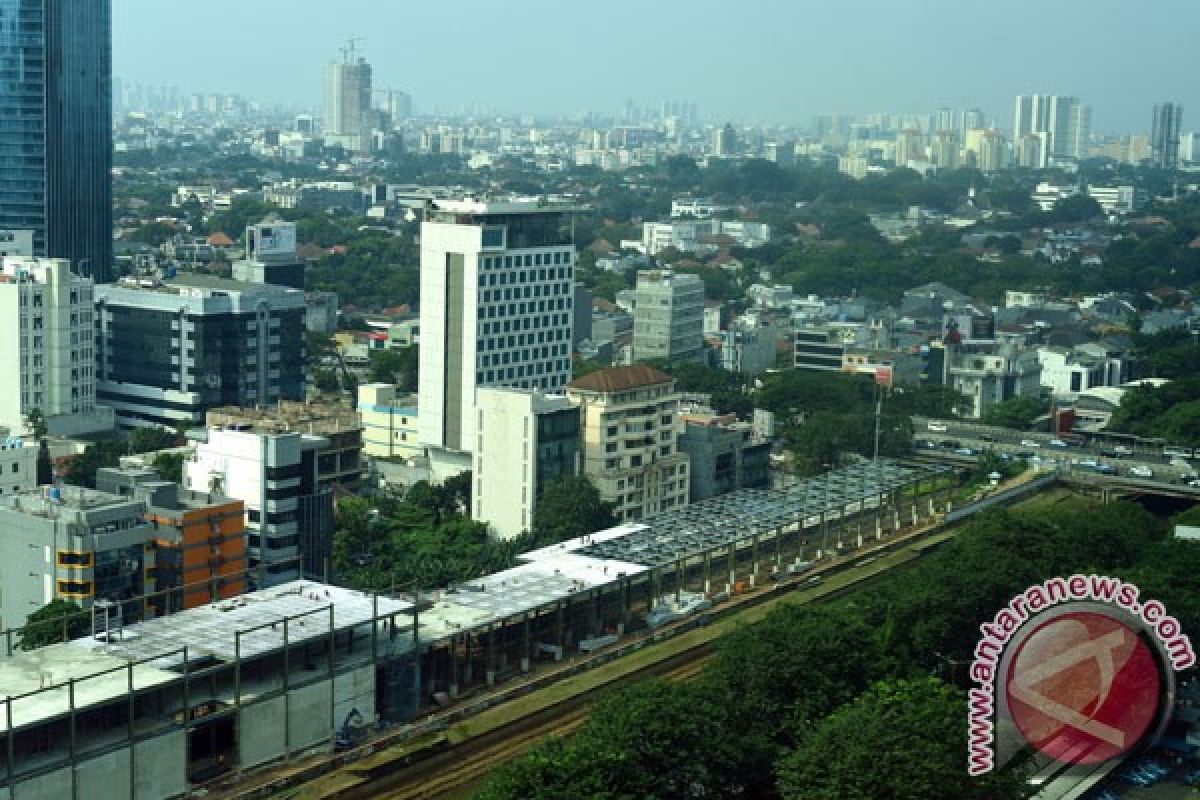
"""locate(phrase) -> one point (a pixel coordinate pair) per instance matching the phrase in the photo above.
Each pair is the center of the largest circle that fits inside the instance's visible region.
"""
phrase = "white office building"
(668, 316)
(526, 440)
(289, 515)
(496, 309)
(46, 348)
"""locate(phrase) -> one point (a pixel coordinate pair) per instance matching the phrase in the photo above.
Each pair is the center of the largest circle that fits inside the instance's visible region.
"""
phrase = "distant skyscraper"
(724, 141)
(56, 128)
(1066, 122)
(348, 99)
(1164, 135)
(972, 119)
(944, 120)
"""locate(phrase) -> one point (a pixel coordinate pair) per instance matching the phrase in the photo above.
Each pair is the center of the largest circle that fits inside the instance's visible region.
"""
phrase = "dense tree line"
(825, 416)
(1170, 411)
(861, 698)
(427, 536)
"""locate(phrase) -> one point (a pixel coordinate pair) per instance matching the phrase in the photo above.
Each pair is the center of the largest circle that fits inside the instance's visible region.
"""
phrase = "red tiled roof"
(620, 379)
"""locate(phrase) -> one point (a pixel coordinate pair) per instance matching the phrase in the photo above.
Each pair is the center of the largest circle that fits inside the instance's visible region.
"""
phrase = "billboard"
(276, 239)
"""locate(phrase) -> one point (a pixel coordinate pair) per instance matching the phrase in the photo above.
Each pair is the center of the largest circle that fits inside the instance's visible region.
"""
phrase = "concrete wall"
(161, 765)
(54, 786)
(260, 733)
(309, 716)
(106, 777)
(355, 690)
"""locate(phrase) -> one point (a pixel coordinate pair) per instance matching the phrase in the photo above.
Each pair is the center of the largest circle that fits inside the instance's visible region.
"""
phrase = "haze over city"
(767, 61)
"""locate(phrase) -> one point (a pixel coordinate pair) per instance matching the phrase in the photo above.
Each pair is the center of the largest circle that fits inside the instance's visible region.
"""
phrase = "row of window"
(554, 372)
(526, 292)
(526, 260)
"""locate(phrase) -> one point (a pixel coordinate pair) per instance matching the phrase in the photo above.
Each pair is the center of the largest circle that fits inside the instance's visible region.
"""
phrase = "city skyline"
(878, 60)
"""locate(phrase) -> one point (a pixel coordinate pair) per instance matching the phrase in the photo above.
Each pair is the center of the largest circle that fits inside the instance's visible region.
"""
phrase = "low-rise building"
(18, 464)
(199, 537)
(75, 544)
(525, 440)
(986, 372)
(389, 420)
(630, 445)
(724, 454)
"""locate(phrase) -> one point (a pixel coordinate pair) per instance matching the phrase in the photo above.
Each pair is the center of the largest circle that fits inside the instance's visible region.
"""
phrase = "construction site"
(213, 694)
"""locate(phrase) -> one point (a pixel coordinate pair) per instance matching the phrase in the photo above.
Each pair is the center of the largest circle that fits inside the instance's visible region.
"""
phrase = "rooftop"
(312, 418)
(508, 205)
(50, 501)
(620, 379)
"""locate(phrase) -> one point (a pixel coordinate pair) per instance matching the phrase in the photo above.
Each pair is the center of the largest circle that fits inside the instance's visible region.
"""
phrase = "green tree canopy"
(902, 739)
(47, 625)
(568, 508)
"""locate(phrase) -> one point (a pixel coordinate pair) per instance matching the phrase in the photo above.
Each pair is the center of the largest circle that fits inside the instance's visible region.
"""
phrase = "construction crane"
(348, 51)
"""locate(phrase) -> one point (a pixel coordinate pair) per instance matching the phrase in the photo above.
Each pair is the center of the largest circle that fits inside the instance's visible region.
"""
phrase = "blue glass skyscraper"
(56, 128)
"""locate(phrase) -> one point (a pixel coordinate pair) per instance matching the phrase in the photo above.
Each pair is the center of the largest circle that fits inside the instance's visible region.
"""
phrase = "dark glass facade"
(56, 128)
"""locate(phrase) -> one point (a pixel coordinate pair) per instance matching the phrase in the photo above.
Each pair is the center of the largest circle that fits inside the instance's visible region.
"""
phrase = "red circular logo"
(1083, 688)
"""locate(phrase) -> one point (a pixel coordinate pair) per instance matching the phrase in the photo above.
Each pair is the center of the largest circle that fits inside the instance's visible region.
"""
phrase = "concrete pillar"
(490, 657)
(453, 653)
(707, 571)
(558, 630)
(526, 641)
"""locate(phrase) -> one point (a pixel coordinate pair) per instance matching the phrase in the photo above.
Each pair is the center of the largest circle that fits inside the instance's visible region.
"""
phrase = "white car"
(1030, 443)
(1141, 471)
(937, 427)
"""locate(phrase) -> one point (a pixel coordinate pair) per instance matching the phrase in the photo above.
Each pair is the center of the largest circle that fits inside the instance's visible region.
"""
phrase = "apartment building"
(630, 445)
(668, 316)
(46, 348)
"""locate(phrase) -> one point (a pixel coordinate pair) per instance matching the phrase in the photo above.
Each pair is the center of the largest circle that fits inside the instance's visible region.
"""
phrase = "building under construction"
(153, 709)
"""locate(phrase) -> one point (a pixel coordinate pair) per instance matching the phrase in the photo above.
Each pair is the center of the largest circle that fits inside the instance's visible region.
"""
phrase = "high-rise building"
(945, 120)
(725, 141)
(630, 445)
(348, 99)
(910, 146)
(1164, 135)
(943, 151)
(1066, 122)
(200, 342)
(668, 316)
(1031, 150)
(46, 348)
(56, 128)
(526, 440)
(496, 308)
(973, 119)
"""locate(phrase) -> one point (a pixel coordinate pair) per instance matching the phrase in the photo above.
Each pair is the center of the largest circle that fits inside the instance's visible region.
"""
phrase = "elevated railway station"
(156, 708)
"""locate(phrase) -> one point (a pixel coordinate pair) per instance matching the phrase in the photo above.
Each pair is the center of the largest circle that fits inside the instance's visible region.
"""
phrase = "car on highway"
(1105, 469)
(1087, 463)
(1110, 453)
(925, 444)
(964, 451)
(1122, 450)
(1057, 443)
(1030, 443)
(1141, 471)
(950, 444)
(986, 437)
(937, 427)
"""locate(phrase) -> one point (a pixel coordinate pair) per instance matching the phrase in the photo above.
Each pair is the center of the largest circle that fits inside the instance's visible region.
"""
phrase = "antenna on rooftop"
(350, 49)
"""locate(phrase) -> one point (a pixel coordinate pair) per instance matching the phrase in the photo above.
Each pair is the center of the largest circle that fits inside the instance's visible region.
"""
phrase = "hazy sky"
(774, 61)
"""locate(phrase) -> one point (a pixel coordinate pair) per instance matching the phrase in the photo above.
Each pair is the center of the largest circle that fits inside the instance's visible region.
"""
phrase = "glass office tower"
(56, 128)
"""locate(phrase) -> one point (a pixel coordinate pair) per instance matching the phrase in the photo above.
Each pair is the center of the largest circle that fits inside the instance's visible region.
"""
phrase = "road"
(1038, 450)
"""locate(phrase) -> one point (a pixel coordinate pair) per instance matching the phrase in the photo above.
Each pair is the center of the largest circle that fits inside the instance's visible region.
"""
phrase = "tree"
(169, 466)
(147, 440)
(395, 366)
(45, 464)
(1017, 413)
(47, 625)
(902, 739)
(35, 420)
(568, 508)
(81, 469)
(326, 380)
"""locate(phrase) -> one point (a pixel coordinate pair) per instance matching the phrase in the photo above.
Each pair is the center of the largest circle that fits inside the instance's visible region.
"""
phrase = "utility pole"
(878, 417)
